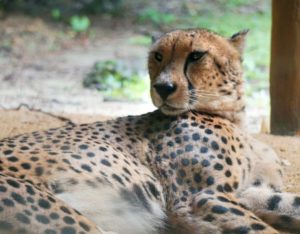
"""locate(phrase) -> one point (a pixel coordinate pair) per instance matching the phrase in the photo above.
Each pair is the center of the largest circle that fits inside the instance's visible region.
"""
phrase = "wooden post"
(285, 67)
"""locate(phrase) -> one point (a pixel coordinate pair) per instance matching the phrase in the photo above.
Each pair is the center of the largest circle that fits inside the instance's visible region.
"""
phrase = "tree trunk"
(285, 67)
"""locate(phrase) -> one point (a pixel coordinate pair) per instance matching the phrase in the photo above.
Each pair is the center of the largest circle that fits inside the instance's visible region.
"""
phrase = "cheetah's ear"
(238, 40)
(156, 36)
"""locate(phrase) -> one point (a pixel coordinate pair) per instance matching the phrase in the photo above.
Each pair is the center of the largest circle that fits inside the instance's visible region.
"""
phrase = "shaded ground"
(15, 122)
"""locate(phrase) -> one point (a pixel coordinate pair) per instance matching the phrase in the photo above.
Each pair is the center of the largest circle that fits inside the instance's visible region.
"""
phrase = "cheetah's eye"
(158, 56)
(196, 55)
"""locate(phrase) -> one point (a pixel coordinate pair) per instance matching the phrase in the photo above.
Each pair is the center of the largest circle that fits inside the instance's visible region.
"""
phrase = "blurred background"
(89, 56)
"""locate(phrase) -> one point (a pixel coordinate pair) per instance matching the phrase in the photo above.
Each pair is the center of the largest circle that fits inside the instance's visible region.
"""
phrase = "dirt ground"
(13, 122)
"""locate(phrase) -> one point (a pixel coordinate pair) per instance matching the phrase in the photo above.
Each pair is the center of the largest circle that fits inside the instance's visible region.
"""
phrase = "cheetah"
(187, 167)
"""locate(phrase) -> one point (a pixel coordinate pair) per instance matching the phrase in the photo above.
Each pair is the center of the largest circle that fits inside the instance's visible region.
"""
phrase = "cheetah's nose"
(165, 89)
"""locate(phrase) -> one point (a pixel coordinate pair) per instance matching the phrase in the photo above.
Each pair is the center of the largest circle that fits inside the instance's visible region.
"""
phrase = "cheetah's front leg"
(215, 213)
(280, 210)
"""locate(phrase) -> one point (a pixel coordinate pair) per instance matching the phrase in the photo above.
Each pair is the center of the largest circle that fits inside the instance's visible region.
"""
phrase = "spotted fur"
(187, 167)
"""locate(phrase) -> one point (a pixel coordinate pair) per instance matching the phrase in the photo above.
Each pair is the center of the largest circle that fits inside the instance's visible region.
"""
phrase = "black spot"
(185, 162)
(24, 148)
(205, 163)
(273, 202)
(296, 202)
(14, 169)
(26, 166)
(86, 167)
(203, 149)
(118, 178)
(209, 191)
(44, 204)
(75, 156)
(182, 173)
(39, 171)
(13, 183)
(220, 188)
(68, 230)
(22, 218)
(217, 209)
(210, 180)
(105, 162)
(65, 210)
(141, 196)
(227, 188)
(50, 231)
(54, 216)
(188, 148)
(209, 218)
(12, 159)
(228, 161)
(257, 183)
(8, 202)
(174, 187)
(159, 147)
(196, 136)
(83, 147)
(90, 154)
(7, 152)
(237, 212)
(68, 220)
(42, 219)
(177, 131)
(224, 139)
(215, 145)
(205, 139)
(202, 202)
(194, 161)
(257, 226)
(2, 189)
(208, 131)
(84, 226)
(223, 199)
(5, 226)
(240, 230)
(126, 171)
(18, 198)
(228, 173)
(30, 190)
(218, 166)
(197, 178)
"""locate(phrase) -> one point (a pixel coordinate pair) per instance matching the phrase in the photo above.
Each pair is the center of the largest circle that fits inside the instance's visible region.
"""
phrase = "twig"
(64, 119)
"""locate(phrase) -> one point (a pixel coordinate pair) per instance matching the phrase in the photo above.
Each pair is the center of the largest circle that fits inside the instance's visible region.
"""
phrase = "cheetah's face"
(196, 70)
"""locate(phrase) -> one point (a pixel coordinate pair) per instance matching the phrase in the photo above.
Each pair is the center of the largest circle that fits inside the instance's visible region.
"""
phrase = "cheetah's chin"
(171, 110)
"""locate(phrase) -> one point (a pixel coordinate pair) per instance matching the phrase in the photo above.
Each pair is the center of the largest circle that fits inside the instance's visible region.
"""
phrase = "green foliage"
(235, 3)
(140, 40)
(116, 81)
(156, 17)
(80, 23)
(55, 13)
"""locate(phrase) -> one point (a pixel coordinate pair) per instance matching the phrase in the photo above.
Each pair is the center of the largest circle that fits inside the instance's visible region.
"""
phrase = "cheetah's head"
(196, 70)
